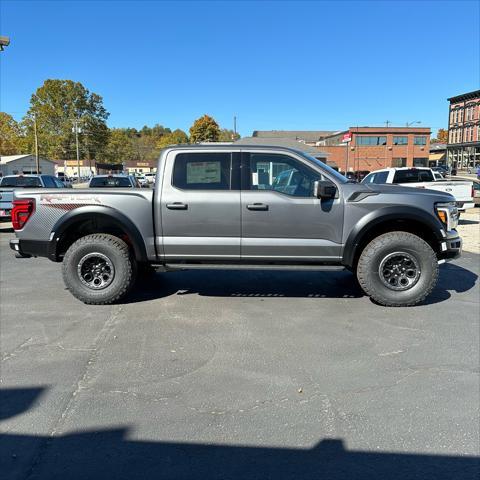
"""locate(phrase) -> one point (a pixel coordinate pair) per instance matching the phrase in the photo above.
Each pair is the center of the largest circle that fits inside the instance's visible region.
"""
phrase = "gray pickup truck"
(241, 207)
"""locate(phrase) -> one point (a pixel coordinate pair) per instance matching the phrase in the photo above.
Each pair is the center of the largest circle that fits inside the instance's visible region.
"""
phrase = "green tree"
(119, 148)
(177, 136)
(12, 139)
(57, 105)
(227, 135)
(204, 129)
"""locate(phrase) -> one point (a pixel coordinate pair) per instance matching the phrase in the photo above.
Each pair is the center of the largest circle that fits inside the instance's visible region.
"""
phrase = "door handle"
(257, 206)
(177, 206)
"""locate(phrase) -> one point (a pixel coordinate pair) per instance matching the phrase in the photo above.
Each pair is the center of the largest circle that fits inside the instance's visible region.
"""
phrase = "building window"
(420, 140)
(420, 162)
(370, 140)
(399, 162)
(400, 140)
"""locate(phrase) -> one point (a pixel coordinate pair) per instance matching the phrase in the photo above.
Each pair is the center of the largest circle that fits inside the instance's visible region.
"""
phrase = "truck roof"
(231, 147)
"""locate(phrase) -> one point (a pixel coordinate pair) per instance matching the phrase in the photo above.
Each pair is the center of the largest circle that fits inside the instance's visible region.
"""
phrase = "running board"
(241, 266)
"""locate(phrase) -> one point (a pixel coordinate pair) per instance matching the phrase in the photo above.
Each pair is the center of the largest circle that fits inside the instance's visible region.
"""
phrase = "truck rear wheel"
(98, 269)
(397, 269)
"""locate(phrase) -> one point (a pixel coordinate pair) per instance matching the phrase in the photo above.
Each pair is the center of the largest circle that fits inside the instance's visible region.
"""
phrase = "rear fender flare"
(108, 213)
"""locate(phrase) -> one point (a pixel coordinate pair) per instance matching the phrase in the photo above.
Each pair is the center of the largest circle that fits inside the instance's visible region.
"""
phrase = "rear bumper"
(30, 248)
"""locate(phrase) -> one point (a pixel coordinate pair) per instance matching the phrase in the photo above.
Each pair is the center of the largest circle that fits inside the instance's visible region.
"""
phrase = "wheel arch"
(389, 219)
(98, 219)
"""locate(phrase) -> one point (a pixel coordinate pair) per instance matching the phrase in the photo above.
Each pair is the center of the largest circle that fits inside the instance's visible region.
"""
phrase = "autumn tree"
(227, 135)
(442, 135)
(12, 139)
(57, 106)
(204, 129)
(174, 138)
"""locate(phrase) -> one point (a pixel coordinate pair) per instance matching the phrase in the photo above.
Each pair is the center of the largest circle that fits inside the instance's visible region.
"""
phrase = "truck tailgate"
(462, 191)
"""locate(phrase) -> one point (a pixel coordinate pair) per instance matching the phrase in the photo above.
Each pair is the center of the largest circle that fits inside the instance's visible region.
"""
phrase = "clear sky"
(274, 64)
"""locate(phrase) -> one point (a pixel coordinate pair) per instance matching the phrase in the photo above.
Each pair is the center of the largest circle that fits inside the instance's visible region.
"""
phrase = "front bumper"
(30, 248)
(450, 247)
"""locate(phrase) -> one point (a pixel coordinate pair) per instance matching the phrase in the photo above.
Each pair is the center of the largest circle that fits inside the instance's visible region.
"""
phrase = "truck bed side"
(55, 210)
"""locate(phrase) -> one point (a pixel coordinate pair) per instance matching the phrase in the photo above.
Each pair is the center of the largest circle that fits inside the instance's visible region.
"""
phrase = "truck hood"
(412, 192)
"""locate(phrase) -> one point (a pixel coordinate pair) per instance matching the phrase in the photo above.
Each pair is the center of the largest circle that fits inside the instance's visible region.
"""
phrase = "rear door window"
(202, 171)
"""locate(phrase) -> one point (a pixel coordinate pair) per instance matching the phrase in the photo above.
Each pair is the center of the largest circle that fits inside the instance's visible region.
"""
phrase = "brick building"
(373, 148)
(463, 148)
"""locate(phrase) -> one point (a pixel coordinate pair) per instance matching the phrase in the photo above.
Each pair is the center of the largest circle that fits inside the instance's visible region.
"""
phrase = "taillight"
(21, 212)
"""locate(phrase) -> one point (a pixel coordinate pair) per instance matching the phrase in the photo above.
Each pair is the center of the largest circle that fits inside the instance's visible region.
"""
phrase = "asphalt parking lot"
(229, 375)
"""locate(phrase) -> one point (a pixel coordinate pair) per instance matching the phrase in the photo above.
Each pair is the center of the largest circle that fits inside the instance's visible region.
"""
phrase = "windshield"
(110, 182)
(337, 176)
(23, 182)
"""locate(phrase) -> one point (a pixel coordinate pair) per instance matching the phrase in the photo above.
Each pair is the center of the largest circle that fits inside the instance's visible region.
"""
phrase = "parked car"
(11, 182)
(141, 179)
(422, 177)
(441, 169)
(230, 207)
(113, 181)
(476, 192)
(357, 176)
(150, 178)
(67, 182)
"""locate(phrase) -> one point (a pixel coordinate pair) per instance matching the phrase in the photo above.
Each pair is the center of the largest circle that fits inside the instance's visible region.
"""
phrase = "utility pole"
(387, 123)
(37, 160)
(235, 126)
(75, 126)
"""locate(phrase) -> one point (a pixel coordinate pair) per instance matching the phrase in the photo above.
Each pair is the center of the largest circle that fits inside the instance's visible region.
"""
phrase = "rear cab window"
(413, 175)
(101, 182)
(17, 182)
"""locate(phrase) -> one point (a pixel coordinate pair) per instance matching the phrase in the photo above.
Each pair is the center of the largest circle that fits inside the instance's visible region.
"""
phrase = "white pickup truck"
(422, 177)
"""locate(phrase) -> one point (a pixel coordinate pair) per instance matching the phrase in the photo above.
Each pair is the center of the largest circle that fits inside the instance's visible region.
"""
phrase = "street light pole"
(37, 160)
(78, 151)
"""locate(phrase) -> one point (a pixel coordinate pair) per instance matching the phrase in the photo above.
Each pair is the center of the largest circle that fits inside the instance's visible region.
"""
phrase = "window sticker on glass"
(204, 172)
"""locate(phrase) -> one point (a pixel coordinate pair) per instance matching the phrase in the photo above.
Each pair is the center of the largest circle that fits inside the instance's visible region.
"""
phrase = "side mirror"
(324, 189)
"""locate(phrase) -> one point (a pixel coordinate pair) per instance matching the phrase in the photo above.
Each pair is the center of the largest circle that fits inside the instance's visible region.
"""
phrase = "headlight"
(447, 213)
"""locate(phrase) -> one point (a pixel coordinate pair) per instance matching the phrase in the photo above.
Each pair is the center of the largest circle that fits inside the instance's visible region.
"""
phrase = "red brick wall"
(362, 157)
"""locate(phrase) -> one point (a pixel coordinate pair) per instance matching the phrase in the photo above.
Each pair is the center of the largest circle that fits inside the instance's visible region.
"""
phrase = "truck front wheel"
(98, 269)
(397, 269)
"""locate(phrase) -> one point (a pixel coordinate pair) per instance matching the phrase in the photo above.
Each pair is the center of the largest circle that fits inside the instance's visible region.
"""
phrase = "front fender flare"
(383, 215)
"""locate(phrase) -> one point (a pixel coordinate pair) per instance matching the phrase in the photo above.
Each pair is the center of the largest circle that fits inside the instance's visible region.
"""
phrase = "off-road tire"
(116, 250)
(378, 249)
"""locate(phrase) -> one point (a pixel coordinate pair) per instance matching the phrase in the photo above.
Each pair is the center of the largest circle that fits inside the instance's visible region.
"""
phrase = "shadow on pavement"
(110, 454)
(290, 284)
(462, 221)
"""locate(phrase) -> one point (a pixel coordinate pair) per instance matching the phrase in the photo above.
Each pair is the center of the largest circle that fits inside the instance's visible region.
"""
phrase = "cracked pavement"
(257, 359)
